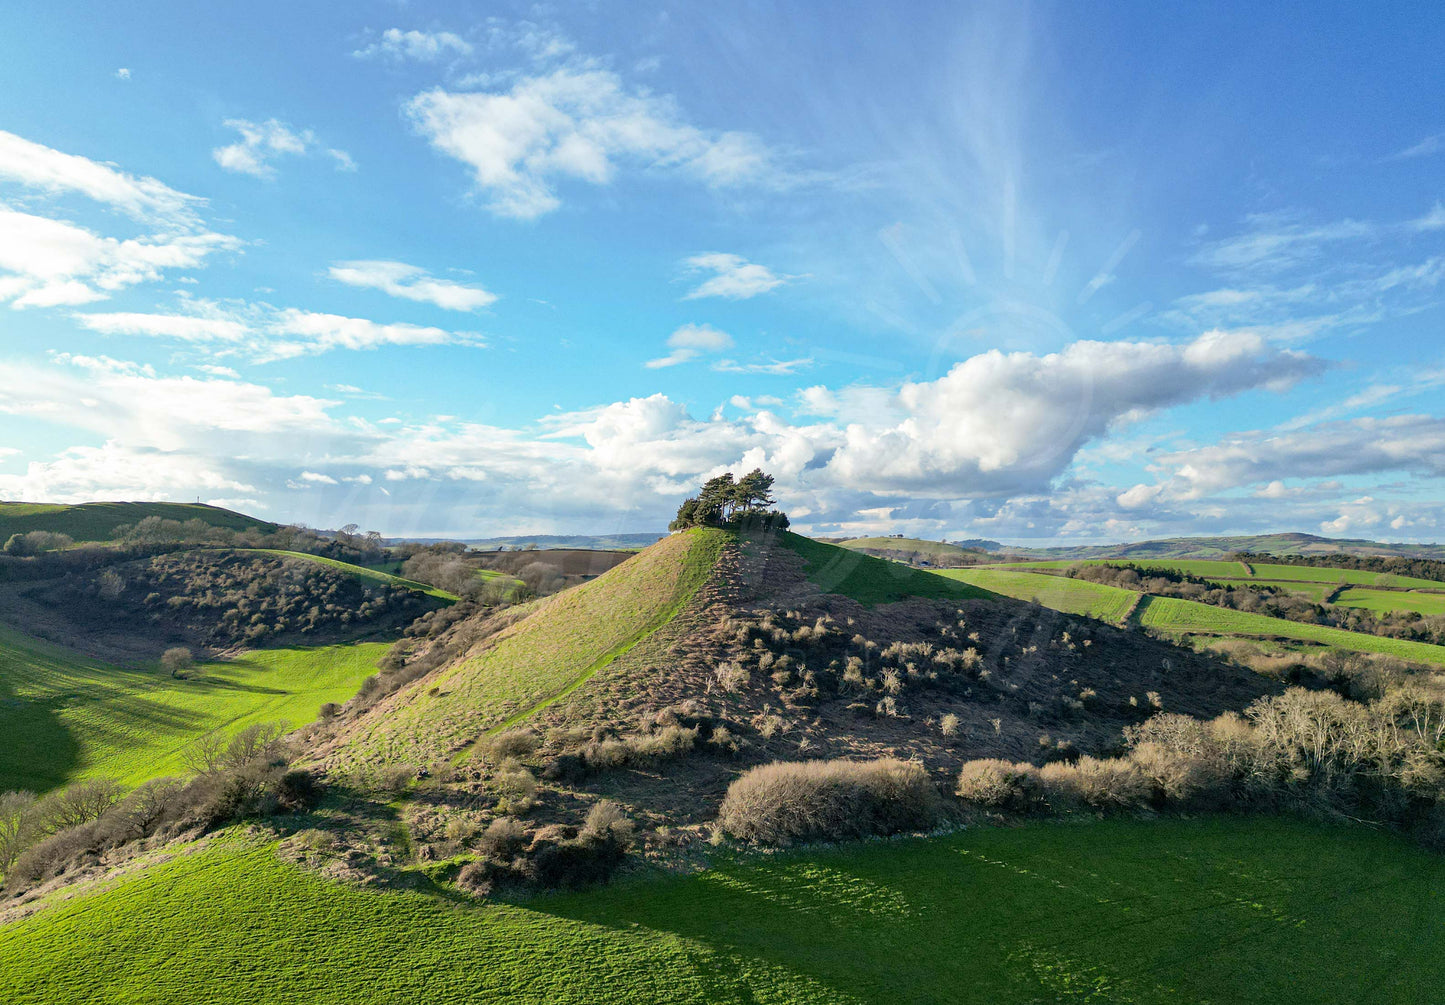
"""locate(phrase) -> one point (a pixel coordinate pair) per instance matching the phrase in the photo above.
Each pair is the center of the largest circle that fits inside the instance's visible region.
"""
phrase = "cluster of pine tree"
(746, 502)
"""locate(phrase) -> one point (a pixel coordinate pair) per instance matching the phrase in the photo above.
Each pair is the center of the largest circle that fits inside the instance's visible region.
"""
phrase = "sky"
(1037, 273)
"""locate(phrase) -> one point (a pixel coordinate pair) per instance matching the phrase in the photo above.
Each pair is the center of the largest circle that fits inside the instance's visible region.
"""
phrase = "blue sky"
(1025, 272)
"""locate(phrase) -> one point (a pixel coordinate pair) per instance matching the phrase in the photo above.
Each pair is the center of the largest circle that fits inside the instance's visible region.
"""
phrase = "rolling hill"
(97, 521)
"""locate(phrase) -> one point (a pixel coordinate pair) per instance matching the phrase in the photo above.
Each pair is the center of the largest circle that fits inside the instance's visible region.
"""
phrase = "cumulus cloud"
(261, 143)
(420, 46)
(690, 342)
(409, 282)
(1412, 444)
(734, 277)
(986, 442)
(267, 334)
(577, 123)
(1001, 423)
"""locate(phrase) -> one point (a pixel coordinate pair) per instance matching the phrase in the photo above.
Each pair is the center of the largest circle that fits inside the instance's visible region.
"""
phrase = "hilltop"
(98, 521)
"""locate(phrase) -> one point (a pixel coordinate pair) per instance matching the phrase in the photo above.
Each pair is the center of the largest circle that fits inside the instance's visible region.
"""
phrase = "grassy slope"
(1072, 596)
(1075, 596)
(65, 716)
(869, 580)
(904, 544)
(564, 641)
(1393, 600)
(97, 521)
(359, 571)
(1236, 910)
(1264, 573)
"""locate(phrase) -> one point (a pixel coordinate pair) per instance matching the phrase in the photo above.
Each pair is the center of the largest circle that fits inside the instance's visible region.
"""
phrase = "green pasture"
(1072, 596)
(864, 578)
(1393, 601)
(359, 571)
(1210, 911)
(65, 716)
(98, 521)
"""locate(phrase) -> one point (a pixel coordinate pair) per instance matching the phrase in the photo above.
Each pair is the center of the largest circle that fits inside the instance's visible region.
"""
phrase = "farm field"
(1214, 909)
(1072, 596)
(1393, 600)
(66, 716)
(1264, 574)
(1169, 614)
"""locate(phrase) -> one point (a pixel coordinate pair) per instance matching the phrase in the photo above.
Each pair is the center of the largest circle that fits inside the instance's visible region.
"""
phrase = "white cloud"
(144, 199)
(409, 282)
(1427, 147)
(267, 334)
(775, 367)
(47, 263)
(262, 143)
(122, 74)
(576, 123)
(317, 478)
(422, 46)
(689, 342)
(733, 277)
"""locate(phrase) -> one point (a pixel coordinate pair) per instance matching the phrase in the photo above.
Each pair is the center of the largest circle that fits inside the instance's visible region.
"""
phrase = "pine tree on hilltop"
(725, 502)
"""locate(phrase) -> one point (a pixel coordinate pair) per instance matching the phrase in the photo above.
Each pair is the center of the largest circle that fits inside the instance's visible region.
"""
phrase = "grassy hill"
(66, 716)
(363, 572)
(1207, 910)
(97, 521)
(909, 548)
(565, 640)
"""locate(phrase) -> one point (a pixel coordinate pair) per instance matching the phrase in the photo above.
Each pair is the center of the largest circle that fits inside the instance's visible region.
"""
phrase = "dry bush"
(503, 838)
(948, 725)
(783, 802)
(999, 784)
(607, 821)
(1109, 783)
(731, 676)
(517, 786)
(513, 743)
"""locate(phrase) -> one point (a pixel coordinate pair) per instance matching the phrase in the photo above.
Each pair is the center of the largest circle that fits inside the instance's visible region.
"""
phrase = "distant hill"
(602, 542)
(915, 550)
(97, 521)
(1223, 547)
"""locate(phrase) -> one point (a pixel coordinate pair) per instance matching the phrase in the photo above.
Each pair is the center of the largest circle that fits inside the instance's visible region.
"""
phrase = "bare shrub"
(783, 802)
(1109, 783)
(80, 803)
(503, 838)
(948, 725)
(732, 676)
(517, 786)
(19, 825)
(999, 784)
(607, 821)
(513, 743)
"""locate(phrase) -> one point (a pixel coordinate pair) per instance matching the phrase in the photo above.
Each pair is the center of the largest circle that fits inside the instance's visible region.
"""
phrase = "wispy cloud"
(1427, 147)
(577, 123)
(409, 282)
(419, 46)
(690, 342)
(262, 143)
(733, 277)
(266, 334)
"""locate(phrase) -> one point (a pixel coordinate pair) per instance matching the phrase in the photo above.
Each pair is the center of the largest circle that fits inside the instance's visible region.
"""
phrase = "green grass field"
(1072, 596)
(937, 549)
(1296, 577)
(97, 521)
(1385, 601)
(359, 571)
(1210, 910)
(1169, 614)
(568, 638)
(866, 579)
(64, 716)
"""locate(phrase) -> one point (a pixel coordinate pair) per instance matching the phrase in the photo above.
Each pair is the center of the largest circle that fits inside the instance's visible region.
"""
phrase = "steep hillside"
(658, 683)
(555, 646)
(97, 521)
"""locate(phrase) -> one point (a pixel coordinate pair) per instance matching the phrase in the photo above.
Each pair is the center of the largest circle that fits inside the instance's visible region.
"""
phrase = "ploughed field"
(1215, 909)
